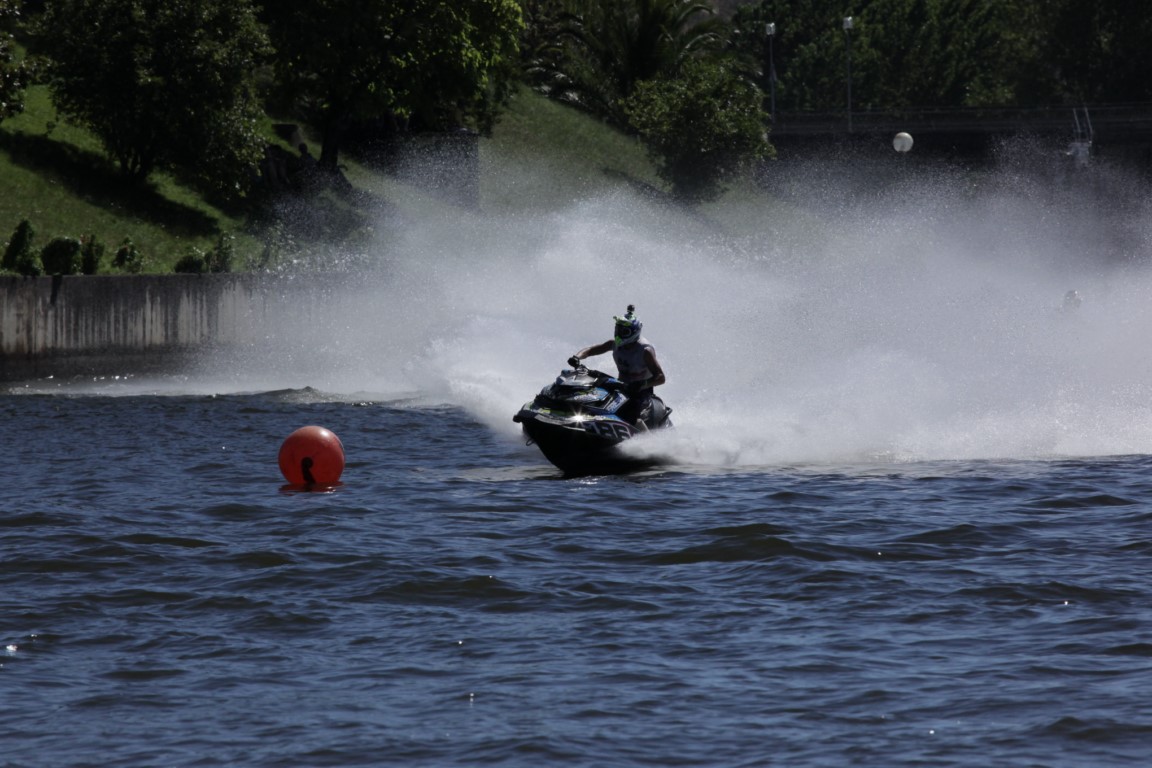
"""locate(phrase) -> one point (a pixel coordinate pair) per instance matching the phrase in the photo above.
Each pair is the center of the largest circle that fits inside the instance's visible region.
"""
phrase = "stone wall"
(110, 325)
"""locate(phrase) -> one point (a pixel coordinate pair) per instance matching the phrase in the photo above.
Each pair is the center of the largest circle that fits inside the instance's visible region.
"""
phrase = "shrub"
(19, 247)
(191, 263)
(128, 257)
(219, 259)
(61, 256)
(28, 265)
(91, 254)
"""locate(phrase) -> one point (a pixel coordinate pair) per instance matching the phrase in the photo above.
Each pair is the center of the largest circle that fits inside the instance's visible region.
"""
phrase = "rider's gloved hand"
(574, 361)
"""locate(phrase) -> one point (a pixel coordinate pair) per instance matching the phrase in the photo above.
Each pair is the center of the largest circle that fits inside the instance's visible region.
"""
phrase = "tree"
(808, 50)
(1100, 50)
(1025, 29)
(701, 128)
(436, 64)
(611, 45)
(541, 48)
(163, 84)
(914, 53)
(950, 53)
(14, 75)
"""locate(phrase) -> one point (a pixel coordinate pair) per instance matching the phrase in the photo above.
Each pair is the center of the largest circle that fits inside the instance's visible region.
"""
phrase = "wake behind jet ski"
(580, 420)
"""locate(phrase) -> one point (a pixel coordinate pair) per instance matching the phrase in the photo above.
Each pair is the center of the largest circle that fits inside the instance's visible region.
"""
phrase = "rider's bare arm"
(596, 349)
(653, 364)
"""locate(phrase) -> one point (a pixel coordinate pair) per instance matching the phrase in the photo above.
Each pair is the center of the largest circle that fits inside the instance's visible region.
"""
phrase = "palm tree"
(608, 46)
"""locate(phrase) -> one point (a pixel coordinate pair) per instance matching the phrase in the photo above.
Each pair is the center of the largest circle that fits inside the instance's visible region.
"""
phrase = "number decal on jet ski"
(610, 429)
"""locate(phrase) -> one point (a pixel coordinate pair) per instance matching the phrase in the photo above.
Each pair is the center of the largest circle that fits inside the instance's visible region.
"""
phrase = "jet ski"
(576, 423)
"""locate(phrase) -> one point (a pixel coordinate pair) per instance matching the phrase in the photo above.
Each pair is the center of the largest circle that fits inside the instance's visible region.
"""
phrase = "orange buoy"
(312, 456)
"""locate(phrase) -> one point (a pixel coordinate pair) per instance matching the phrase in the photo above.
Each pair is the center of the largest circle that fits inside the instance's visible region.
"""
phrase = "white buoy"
(902, 142)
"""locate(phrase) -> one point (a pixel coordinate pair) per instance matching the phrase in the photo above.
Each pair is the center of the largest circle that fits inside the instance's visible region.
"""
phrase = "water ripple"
(455, 602)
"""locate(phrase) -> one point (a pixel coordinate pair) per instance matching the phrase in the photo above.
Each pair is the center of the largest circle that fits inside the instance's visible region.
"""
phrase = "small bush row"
(83, 256)
(64, 255)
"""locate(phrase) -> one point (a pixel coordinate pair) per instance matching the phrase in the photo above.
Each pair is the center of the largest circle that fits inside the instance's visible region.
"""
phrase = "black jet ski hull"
(577, 425)
(579, 448)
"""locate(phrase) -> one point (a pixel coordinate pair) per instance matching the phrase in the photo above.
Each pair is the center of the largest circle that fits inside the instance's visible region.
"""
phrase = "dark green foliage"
(1100, 49)
(701, 128)
(163, 84)
(191, 264)
(607, 47)
(91, 254)
(219, 259)
(197, 262)
(429, 63)
(28, 265)
(61, 256)
(19, 250)
(948, 53)
(14, 75)
(541, 47)
(128, 257)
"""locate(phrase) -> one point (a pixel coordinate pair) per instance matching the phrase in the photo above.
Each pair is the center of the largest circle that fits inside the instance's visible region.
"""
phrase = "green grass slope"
(541, 156)
(58, 177)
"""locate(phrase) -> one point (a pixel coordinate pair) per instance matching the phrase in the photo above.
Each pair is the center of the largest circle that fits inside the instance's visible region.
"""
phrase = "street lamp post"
(848, 77)
(770, 31)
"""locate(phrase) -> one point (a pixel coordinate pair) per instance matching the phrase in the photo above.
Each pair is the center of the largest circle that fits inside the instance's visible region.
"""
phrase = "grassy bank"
(56, 175)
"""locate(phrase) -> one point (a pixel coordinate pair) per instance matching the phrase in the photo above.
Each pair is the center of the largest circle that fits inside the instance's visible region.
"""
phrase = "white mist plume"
(920, 320)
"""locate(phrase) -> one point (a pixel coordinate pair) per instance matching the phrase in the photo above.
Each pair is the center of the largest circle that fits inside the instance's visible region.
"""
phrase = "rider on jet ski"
(637, 364)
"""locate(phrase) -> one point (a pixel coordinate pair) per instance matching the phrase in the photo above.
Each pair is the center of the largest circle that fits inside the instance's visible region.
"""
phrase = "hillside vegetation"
(540, 155)
(58, 178)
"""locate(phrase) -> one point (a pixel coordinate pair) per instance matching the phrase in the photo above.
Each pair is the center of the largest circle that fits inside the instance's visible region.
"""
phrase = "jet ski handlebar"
(605, 379)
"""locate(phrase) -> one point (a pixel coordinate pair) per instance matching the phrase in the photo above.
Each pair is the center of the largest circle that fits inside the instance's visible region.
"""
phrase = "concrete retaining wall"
(107, 325)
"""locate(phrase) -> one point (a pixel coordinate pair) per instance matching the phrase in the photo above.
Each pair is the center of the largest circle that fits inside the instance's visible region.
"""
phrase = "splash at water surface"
(918, 316)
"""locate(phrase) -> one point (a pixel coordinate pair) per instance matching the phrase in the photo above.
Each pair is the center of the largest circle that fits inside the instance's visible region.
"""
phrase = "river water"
(907, 519)
(165, 601)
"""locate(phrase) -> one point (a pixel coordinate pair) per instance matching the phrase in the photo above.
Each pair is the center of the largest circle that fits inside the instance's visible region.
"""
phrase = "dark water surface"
(163, 602)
